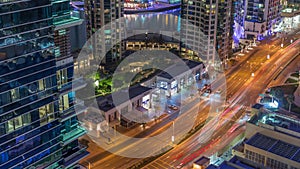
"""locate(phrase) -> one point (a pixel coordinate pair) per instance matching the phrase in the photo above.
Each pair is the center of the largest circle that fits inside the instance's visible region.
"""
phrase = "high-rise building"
(211, 30)
(256, 18)
(100, 14)
(38, 127)
(64, 19)
(78, 33)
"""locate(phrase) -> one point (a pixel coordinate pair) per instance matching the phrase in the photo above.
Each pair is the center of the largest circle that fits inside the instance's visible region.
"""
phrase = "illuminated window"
(46, 113)
(18, 122)
(62, 32)
(10, 126)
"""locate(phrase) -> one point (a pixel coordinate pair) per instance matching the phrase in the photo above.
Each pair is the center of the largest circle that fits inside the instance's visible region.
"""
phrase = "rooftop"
(212, 167)
(123, 96)
(277, 120)
(237, 163)
(275, 146)
(201, 161)
(239, 147)
(178, 69)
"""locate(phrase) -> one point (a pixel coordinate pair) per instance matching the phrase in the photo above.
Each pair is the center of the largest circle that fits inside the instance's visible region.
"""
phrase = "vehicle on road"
(172, 107)
(219, 91)
(180, 165)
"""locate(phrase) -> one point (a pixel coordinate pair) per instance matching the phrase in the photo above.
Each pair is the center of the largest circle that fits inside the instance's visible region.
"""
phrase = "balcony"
(66, 21)
(73, 135)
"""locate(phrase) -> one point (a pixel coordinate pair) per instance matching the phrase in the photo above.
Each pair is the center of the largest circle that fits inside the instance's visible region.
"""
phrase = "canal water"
(158, 21)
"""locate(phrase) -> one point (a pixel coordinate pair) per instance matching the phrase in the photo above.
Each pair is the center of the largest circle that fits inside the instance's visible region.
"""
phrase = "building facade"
(211, 30)
(64, 19)
(36, 78)
(78, 33)
(100, 13)
(257, 18)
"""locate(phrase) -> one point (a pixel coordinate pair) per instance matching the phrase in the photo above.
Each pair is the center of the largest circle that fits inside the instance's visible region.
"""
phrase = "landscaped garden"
(285, 96)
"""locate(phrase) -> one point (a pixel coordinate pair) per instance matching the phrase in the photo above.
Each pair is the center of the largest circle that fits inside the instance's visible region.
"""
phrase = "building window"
(255, 157)
(18, 122)
(46, 113)
(164, 85)
(26, 118)
(10, 126)
(41, 85)
(62, 77)
(66, 101)
(15, 94)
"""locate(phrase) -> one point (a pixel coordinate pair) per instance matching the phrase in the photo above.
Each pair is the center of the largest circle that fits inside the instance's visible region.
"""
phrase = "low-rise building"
(237, 163)
(127, 107)
(272, 139)
(173, 79)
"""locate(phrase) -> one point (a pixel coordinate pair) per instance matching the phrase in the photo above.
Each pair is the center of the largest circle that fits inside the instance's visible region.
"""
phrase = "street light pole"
(173, 137)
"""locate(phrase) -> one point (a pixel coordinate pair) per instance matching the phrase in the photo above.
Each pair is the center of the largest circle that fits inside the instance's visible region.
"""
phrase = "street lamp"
(173, 137)
(268, 57)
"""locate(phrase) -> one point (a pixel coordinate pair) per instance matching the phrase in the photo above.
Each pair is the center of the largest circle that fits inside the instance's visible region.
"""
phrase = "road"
(242, 90)
(239, 83)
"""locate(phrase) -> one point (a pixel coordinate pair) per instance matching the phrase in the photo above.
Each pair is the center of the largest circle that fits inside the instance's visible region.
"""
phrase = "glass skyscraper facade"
(38, 124)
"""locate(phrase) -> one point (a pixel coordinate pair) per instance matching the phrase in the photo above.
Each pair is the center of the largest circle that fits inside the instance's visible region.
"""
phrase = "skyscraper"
(211, 33)
(36, 124)
(256, 18)
(98, 14)
(69, 106)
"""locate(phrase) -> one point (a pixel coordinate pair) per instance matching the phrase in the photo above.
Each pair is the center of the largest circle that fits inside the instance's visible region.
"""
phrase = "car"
(180, 165)
(219, 91)
(173, 107)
